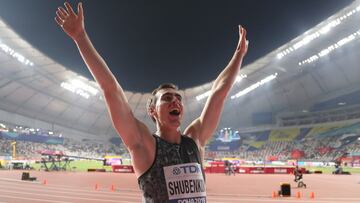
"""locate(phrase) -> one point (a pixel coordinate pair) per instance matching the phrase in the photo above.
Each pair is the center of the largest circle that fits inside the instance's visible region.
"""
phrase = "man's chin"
(175, 122)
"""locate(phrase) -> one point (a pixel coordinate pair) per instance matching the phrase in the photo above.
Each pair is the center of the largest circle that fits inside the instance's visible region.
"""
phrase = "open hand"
(243, 43)
(69, 21)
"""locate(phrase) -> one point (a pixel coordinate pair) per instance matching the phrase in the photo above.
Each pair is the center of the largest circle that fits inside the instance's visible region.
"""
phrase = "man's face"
(168, 108)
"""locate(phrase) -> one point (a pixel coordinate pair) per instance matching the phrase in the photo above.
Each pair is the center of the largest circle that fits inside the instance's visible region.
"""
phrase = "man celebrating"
(168, 162)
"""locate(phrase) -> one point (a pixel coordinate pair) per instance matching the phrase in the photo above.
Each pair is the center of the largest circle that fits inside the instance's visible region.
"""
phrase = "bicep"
(125, 123)
(210, 117)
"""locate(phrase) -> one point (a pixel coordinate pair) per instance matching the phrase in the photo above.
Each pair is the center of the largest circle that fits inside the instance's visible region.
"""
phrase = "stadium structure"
(311, 80)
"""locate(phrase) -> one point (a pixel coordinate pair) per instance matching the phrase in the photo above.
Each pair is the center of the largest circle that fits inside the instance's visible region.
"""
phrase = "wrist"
(79, 36)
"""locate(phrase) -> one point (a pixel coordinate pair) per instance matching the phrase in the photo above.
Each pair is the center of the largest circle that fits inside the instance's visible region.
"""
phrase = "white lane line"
(55, 189)
(335, 182)
(218, 196)
(341, 198)
(275, 200)
(63, 197)
(68, 194)
(225, 200)
(236, 195)
(35, 199)
(62, 185)
(20, 181)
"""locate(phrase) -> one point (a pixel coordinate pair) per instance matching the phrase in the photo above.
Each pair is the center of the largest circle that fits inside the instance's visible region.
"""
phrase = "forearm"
(210, 115)
(227, 77)
(95, 63)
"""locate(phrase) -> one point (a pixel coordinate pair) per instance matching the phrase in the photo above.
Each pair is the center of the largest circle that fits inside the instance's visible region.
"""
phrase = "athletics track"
(91, 187)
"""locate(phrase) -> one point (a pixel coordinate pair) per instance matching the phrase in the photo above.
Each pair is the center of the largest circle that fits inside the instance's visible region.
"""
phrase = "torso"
(160, 182)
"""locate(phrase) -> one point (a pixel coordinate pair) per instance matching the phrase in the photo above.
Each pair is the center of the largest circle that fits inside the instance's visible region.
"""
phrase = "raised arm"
(129, 128)
(202, 128)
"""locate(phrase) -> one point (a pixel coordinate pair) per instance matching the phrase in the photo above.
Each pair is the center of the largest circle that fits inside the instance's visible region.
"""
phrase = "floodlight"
(254, 86)
(19, 57)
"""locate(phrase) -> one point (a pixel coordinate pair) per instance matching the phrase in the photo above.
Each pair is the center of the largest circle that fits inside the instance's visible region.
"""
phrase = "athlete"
(299, 177)
(168, 162)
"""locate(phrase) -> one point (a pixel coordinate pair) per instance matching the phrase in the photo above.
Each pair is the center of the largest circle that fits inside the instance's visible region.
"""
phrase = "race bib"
(185, 183)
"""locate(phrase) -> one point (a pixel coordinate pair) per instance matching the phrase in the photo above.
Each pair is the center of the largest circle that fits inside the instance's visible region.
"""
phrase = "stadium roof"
(316, 66)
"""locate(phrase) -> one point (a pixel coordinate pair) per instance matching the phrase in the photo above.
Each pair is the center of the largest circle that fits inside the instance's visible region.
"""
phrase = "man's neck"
(172, 136)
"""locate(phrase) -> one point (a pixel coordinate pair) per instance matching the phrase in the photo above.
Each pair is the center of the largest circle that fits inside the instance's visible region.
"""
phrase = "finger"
(60, 15)
(59, 21)
(63, 11)
(244, 34)
(242, 45)
(240, 31)
(243, 40)
(245, 43)
(247, 46)
(80, 10)
(240, 38)
(69, 9)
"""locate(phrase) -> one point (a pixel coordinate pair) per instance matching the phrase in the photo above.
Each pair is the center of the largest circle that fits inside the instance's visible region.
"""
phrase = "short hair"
(152, 99)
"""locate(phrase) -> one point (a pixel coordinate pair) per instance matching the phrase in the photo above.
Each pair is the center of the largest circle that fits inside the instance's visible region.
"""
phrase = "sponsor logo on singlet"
(185, 183)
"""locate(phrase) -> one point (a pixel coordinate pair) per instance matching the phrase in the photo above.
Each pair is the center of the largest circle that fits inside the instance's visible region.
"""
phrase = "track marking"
(69, 194)
(84, 188)
(88, 191)
(64, 197)
(27, 198)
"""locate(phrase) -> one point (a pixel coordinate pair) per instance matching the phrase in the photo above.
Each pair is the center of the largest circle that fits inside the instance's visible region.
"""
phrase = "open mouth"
(175, 112)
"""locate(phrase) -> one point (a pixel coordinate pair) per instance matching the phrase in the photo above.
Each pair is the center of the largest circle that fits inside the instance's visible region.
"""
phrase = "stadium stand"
(321, 142)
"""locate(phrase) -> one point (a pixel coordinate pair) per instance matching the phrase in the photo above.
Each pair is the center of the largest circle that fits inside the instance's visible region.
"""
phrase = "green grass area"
(84, 165)
(329, 170)
(81, 165)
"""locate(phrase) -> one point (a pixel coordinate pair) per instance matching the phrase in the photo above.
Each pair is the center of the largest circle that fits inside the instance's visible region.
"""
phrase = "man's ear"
(151, 110)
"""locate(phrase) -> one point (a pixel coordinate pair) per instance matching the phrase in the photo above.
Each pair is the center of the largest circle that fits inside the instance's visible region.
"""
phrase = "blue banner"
(32, 138)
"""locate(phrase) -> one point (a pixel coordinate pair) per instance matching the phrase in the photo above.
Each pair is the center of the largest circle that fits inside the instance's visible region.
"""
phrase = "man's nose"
(175, 99)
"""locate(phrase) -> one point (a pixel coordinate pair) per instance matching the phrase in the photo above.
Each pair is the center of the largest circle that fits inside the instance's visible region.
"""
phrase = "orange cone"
(312, 195)
(298, 195)
(45, 182)
(97, 186)
(273, 194)
(113, 188)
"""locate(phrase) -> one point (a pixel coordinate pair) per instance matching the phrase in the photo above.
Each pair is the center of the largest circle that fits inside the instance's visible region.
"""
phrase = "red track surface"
(64, 187)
